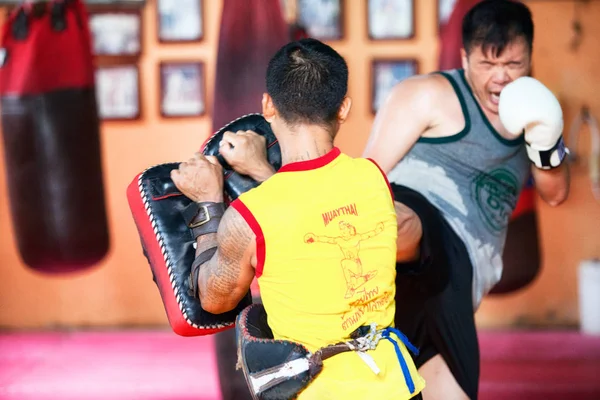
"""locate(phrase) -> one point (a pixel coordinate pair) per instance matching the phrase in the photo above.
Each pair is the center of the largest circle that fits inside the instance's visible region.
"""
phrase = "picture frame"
(182, 89)
(385, 74)
(390, 19)
(444, 10)
(118, 92)
(116, 33)
(322, 19)
(180, 21)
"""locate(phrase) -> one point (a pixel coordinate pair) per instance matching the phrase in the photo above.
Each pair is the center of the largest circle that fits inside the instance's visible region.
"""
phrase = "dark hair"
(307, 81)
(493, 24)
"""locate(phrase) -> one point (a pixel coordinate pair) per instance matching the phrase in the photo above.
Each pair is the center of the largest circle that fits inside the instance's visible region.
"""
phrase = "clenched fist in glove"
(526, 105)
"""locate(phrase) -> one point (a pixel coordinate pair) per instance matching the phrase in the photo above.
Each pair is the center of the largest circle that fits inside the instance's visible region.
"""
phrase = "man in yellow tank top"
(319, 235)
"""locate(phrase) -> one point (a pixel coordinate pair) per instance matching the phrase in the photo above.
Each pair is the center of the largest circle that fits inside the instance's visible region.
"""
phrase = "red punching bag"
(251, 32)
(521, 256)
(51, 137)
(451, 35)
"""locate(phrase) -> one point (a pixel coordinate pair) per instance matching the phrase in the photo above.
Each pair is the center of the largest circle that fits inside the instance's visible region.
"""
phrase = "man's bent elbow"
(553, 185)
(216, 306)
(557, 198)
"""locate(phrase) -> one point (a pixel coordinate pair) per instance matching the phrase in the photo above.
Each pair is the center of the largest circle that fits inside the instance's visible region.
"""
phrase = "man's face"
(488, 74)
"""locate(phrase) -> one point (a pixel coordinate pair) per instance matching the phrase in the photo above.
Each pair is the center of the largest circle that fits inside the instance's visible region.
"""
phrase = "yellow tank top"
(326, 234)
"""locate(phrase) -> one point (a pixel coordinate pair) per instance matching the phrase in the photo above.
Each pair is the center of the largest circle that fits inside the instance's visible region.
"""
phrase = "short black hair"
(308, 81)
(493, 24)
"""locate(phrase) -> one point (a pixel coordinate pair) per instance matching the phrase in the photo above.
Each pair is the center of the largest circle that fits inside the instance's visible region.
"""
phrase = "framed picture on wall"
(322, 19)
(444, 11)
(117, 92)
(116, 33)
(182, 89)
(385, 74)
(390, 19)
(180, 20)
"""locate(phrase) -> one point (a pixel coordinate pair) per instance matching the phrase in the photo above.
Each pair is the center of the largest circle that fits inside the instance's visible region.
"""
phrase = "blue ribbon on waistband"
(386, 335)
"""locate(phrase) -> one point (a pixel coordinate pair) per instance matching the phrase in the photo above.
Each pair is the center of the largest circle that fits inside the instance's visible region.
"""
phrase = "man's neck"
(303, 143)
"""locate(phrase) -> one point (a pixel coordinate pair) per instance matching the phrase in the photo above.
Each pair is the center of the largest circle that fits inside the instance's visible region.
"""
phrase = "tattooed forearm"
(224, 276)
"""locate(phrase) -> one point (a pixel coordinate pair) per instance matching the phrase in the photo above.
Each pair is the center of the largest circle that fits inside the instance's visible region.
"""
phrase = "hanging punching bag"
(451, 35)
(51, 137)
(521, 255)
(251, 32)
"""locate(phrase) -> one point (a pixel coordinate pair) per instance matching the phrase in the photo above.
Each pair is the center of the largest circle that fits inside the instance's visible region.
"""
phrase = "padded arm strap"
(203, 218)
(201, 259)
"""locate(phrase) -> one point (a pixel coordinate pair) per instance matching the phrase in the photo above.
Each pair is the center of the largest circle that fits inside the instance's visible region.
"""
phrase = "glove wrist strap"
(548, 159)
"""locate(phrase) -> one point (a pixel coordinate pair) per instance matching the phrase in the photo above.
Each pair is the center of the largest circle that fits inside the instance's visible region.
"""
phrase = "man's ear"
(344, 110)
(465, 58)
(268, 108)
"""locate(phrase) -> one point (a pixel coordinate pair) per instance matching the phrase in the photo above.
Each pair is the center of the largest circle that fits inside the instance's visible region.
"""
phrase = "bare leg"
(441, 384)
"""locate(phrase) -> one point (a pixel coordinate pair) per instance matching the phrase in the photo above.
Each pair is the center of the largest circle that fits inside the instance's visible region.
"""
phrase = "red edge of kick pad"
(47, 60)
(174, 314)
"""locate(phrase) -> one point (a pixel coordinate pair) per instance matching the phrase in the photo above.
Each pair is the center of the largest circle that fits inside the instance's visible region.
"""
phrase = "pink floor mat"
(154, 365)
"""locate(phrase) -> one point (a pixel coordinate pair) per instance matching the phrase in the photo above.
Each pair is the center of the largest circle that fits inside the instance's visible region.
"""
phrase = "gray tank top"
(474, 177)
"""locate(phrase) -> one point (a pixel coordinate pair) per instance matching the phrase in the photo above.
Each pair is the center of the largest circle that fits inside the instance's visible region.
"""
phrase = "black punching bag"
(251, 32)
(51, 137)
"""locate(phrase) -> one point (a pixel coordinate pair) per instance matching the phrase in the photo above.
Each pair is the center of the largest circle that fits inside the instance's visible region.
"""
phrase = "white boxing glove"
(527, 105)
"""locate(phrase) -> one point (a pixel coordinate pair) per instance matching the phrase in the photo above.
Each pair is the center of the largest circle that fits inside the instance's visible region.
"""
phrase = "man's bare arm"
(552, 185)
(225, 279)
(402, 119)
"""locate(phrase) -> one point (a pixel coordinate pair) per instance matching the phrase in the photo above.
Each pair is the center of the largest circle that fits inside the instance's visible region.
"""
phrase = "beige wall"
(120, 291)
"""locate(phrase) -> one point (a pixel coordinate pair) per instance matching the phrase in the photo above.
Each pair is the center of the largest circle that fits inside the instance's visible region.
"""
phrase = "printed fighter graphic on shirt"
(349, 243)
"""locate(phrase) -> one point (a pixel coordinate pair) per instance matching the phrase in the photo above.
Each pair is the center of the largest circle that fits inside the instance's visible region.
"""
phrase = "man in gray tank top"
(457, 147)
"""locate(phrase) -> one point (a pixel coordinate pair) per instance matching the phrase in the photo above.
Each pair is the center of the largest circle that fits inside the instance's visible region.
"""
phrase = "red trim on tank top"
(384, 177)
(240, 207)
(312, 164)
